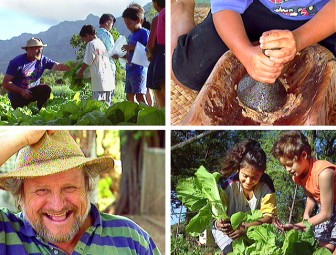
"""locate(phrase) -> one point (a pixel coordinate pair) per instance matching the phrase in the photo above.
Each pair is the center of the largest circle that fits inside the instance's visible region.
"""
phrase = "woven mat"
(181, 100)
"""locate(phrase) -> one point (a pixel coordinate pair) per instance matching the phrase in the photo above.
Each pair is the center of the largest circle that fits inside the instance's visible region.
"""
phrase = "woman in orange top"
(317, 177)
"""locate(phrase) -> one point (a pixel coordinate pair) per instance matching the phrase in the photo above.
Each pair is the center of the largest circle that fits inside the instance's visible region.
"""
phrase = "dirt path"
(155, 226)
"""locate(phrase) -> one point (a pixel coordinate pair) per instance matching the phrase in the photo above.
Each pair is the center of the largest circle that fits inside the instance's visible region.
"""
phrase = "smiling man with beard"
(22, 79)
(52, 183)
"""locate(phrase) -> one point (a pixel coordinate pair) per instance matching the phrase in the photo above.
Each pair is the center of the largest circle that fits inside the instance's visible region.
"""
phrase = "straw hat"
(51, 155)
(34, 42)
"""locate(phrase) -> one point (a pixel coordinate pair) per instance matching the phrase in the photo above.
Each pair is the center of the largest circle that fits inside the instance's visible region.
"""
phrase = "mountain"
(57, 37)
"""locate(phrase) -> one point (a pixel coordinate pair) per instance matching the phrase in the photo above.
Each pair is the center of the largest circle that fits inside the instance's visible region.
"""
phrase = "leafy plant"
(76, 83)
(201, 194)
(268, 240)
(74, 111)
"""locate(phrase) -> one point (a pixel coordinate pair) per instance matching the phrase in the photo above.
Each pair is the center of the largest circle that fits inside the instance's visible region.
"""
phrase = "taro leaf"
(128, 109)
(200, 221)
(265, 233)
(151, 116)
(210, 191)
(190, 194)
(116, 116)
(240, 217)
(69, 108)
(239, 247)
(237, 218)
(93, 118)
(322, 251)
(91, 105)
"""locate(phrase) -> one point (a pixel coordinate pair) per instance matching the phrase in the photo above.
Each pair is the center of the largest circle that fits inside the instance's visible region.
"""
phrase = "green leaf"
(69, 108)
(128, 109)
(237, 218)
(200, 221)
(322, 251)
(91, 105)
(210, 191)
(94, 118)
(190, 194)
(151, 116)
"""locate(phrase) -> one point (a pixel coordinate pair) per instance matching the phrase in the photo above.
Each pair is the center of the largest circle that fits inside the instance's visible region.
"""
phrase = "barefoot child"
(317, 177)
(248, 188)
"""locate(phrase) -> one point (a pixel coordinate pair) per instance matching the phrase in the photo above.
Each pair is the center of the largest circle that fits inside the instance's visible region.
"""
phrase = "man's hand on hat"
(33, 136)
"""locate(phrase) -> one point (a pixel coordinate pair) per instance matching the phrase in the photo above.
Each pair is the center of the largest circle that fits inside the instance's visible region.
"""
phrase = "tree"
(209, 151)
(132, 149)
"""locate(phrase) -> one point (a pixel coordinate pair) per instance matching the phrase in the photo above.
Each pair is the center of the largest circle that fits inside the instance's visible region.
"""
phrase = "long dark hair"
(247, 152)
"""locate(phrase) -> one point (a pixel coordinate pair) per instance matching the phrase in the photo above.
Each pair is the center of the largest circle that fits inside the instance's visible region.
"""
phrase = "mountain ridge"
(57, 38)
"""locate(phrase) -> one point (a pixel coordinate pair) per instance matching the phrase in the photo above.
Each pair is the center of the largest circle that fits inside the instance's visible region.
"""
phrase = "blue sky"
(34, 16)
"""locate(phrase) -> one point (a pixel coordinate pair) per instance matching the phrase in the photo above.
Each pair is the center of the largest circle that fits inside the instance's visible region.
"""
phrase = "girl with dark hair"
(248, 188)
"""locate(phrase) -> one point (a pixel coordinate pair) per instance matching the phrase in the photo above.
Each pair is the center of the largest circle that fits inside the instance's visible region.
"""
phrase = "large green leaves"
(200, 222)
(268, 240)
(61, 111)
(190, 194)
(200, 194)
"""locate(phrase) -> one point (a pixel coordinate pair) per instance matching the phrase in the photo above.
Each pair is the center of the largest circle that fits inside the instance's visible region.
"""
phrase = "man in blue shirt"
(22, 79)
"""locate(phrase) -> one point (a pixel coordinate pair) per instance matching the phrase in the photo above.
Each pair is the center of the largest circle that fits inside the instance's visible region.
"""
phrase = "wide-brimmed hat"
(34, 42)
(53, 154)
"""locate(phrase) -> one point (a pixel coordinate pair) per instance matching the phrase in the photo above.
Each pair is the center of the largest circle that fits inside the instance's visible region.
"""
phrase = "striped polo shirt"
(110, 234)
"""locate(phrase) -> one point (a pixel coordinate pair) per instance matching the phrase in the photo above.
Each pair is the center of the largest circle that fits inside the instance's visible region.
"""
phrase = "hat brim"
(25, 47)
(97, 166)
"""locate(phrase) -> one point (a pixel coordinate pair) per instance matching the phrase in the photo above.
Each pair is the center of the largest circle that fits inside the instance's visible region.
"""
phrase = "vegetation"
(68, 107)
(71, 103)
(209, 150)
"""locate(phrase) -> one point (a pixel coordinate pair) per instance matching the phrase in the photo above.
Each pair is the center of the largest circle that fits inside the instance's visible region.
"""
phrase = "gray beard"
(42, 230)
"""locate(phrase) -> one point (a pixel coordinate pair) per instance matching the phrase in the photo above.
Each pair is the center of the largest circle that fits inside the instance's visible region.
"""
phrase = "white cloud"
(59, 10)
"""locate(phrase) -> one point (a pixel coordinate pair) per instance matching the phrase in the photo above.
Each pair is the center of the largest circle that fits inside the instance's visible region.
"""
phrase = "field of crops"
(68, 107)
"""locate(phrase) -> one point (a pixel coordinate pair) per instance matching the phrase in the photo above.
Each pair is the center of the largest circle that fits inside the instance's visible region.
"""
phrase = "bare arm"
(322, 25)
(128, 47)
(13, 141)
(233, 34)
(81, 71)
(310, 205)
(60, 67)
(10, 86)
(318, 28)
(152, 36)
(326, 184)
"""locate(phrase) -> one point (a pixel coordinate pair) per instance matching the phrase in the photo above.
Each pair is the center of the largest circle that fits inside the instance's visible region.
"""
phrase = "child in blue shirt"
(136, 75)
(246, 27)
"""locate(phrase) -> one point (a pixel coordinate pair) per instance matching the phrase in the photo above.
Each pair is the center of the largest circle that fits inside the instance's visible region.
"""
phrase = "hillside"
(57, 37)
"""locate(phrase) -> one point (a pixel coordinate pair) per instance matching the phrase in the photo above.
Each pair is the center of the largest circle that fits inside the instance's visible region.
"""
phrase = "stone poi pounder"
(260, 96)
(310, 78)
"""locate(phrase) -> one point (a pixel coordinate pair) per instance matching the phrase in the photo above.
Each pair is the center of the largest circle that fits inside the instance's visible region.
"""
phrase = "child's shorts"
(136, 81)
(222, 240)
(326, 231)
(197, 52)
